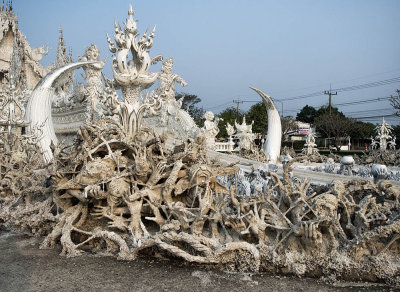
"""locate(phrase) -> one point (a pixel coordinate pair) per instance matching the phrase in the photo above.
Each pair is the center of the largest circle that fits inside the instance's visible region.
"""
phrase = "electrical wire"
(349, 88)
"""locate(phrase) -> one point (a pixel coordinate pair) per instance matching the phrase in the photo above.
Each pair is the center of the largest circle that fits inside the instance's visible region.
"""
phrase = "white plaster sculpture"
(230, 130)
(118, 189)
(38, 111)
(310, 146)
(93, 77)
(133, 75)
(166, 92)
(245, 135)
(384, 131)
(12, 110)
(167, 80)
(272, 146)
(379, 172)
(392, 144)
(374, 144)
(329, 166)
(210, 129)
(346, 165)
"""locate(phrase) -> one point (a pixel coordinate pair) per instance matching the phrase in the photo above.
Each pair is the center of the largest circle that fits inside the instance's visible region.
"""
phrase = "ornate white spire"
(132, 76)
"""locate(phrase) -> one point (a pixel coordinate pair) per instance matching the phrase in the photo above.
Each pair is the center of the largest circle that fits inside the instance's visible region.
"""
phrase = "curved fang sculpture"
(272, 146)
(38, 111)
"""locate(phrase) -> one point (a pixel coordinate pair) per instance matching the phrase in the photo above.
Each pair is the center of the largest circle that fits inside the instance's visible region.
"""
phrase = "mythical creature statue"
(384, 131)
(119, 189)
(93, 88)
(245, 134)
(167, 79)
(310, 146)
(230, 130)
(210, 129)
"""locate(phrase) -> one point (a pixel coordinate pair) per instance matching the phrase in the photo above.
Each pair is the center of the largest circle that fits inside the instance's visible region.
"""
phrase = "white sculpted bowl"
(379, 170)
(347, 160)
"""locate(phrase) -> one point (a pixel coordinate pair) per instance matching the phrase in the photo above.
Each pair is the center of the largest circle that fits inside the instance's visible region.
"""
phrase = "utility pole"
(330, 93)
(237, 108)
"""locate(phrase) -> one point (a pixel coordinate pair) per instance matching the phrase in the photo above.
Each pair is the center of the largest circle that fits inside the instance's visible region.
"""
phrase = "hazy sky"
(285, 48)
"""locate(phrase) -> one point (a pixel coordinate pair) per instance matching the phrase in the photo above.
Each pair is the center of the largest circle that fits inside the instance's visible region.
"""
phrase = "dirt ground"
(25, 267)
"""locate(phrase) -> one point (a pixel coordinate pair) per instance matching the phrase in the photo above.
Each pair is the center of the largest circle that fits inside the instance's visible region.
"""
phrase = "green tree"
(189, 103)
(228, 115)
(334, 126)
(307, 114)
(288, 125)
(361, 130)
(395, 133)
(395, 102)
(325, 110)
(258, 114)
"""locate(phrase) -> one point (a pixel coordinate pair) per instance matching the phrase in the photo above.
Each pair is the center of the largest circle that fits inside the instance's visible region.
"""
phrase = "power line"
(349, 88)
(372, 100)
(374, 117)
(343, 89)
(373, 110)
(217, 106)
(369, 85)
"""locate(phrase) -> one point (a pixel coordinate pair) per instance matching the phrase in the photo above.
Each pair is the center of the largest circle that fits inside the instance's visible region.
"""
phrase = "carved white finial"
(130, 12)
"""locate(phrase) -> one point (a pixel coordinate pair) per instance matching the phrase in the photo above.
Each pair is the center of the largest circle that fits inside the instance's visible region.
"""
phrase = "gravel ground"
(25, 267)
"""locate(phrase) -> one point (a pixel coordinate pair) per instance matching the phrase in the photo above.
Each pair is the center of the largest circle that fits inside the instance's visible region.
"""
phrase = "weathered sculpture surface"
(119, 189)
(210, 130)
(310, 146)
(384, 137)
(167, 80)
(38, 111)
(272, 146)
(133, 75)
(94, 85)
(245, 134)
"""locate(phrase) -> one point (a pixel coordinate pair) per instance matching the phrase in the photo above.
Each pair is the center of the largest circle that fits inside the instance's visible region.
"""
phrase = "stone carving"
(12, 109)
(329, 165)
(379, 172)
(93, 88)
(310, 146)
(272, 146)
(374, 144)
(127, 185)
(119, 189)
(167, 79)
(230, 130)
(18, 60)
(346, 165)
(392, 144)
(133, 75)
(245, 134)
(384, 131)
(210, 130)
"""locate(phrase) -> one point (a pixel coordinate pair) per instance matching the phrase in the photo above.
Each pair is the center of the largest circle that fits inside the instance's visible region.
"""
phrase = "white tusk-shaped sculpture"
(38, 111)
(272, 146)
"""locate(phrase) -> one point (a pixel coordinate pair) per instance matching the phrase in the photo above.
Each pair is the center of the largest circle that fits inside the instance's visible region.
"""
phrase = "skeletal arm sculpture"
(272, 146)
(38, 111)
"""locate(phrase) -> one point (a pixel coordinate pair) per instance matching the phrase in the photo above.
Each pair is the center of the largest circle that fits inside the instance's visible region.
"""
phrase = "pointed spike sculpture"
(38, 110)
(130, 12)
(272, 146)
(153, 32)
